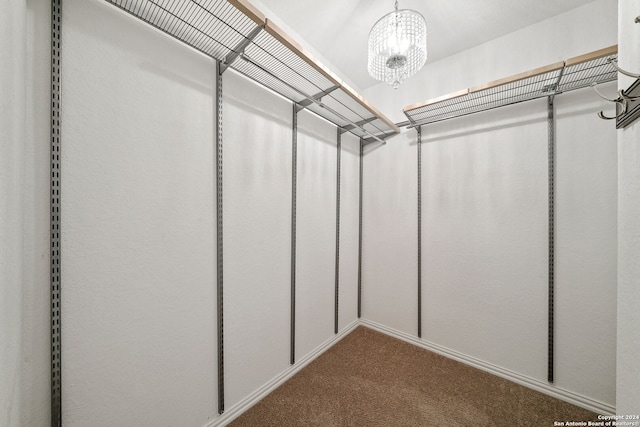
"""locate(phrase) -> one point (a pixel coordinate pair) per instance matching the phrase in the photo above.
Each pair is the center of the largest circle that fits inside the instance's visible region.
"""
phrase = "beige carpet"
(370, 379)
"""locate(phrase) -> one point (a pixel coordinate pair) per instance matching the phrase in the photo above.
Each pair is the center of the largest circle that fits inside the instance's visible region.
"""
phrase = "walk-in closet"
(222, 212)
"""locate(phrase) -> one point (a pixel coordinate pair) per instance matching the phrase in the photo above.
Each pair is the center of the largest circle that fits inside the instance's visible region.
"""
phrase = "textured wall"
(485, 216)
(316, 222)
(485, 236)
(36, 410)
(349, 233)
(138, 224)
(257, 159)
(12, 157)
(139, 228)
(389, 257)
(628, 387)
(586, 246)
(257, 224)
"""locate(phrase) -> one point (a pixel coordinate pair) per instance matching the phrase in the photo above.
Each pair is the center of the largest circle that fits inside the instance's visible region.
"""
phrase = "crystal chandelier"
(397, 46)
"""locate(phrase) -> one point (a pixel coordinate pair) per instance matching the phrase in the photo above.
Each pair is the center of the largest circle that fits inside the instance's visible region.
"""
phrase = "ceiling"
(338, 29)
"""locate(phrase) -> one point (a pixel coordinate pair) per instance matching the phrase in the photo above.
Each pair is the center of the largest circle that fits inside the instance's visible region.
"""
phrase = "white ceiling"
(338, 29)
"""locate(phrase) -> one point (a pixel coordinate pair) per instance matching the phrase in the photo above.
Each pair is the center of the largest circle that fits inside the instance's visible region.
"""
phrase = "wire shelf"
(578, 74)
(240, 37)
(564, 76)
(213, 29)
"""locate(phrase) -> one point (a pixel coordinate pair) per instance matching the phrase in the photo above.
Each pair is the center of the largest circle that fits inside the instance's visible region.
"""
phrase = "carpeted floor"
(370, 379)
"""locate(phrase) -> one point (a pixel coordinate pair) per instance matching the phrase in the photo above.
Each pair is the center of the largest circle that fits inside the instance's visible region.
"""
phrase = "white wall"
(485, 236)
(36, 409)
(139, 330)
(628, 375)
(349, 231)
(257, 235)
(315, 233)
(485, 216)
(389, 257)
(138, 224)
(257, 232)
(586, 245)
(12, 134)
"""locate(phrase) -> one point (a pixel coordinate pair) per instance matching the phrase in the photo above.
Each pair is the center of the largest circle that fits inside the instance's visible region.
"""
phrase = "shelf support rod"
(358, 125)
(368, 141)
(239, 49)
(308, 97)
(318, 97)
(551, 241)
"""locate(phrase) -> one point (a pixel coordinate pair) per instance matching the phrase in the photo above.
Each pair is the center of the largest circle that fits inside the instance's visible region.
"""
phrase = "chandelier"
(397, 46)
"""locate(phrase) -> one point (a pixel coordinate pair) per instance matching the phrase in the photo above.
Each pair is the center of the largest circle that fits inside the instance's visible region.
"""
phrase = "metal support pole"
(337, 296)
(419, 130)
(294, 188)
(551, 172)
(360, 231)
(219, 229)
(55, 252)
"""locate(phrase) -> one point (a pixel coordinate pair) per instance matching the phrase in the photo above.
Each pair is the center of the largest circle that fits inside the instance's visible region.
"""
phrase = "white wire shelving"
(241, 37)
(564, 76)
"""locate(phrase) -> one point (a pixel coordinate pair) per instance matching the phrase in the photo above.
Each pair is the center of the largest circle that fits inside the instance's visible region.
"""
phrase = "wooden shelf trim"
(601, 53)
(276, 32)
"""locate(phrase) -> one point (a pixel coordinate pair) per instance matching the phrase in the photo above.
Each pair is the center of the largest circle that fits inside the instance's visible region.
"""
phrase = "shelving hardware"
(632, 108)
(564, 76)
(239, 36)
(544, 82)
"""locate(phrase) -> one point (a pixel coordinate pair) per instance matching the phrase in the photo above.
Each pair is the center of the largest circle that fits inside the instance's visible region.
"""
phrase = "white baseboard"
(236, 410)
(549, 389)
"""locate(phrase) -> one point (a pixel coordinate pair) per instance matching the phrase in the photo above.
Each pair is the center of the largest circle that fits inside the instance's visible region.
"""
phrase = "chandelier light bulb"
(397, 46)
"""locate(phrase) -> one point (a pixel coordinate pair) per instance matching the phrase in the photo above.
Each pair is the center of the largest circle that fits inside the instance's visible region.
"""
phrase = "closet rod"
(302, 53)
(309, 98)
